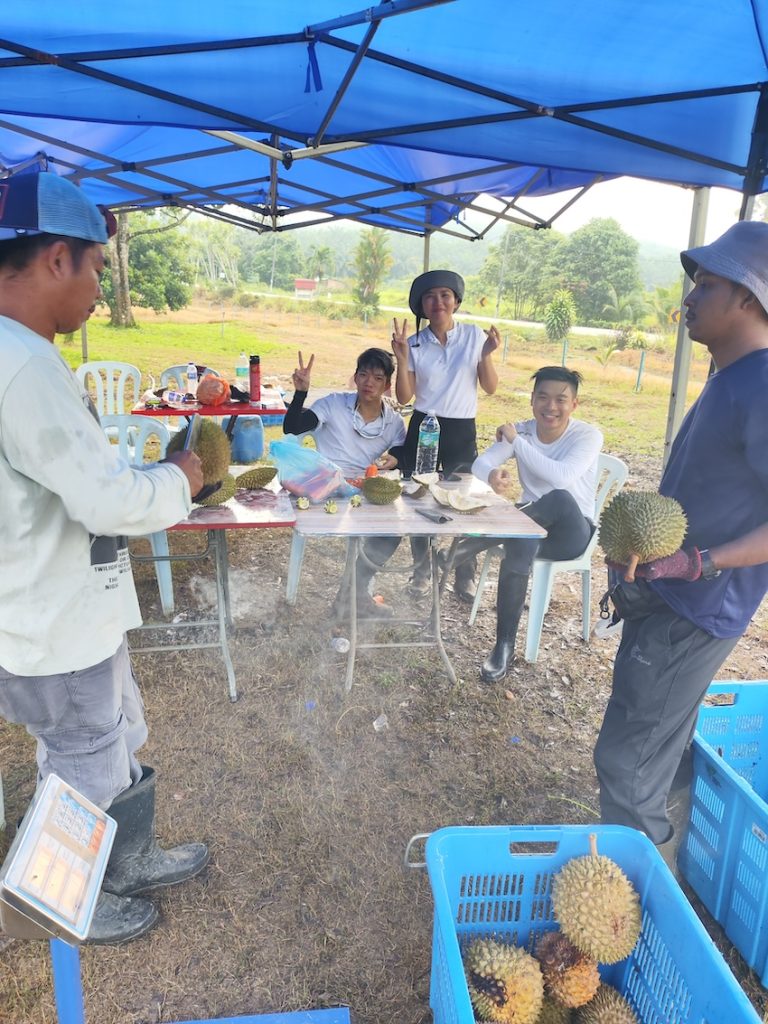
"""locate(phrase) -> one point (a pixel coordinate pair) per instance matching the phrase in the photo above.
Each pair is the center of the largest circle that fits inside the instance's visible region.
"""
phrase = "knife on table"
(434, 517)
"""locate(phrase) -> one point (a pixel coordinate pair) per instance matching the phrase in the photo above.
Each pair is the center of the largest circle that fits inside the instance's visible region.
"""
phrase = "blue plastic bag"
(304, 471)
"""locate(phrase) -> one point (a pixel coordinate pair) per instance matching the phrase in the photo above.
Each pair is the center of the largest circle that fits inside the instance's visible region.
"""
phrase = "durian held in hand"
(214, 450)
(638, 528)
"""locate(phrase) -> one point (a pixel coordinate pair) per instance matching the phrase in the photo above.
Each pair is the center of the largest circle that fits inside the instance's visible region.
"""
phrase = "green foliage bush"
(247, 300)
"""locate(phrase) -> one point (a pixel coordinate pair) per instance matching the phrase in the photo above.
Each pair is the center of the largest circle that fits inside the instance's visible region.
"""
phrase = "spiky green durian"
(638, 526)
(381, 490)
(554, 1013)
(505, 983)
(224, 493)
(212, 446)
(257, 476)
(597, 906)
(607, 1007)
(571, 977)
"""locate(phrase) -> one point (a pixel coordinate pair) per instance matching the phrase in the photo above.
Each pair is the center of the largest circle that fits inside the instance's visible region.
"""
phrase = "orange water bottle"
(255, 378)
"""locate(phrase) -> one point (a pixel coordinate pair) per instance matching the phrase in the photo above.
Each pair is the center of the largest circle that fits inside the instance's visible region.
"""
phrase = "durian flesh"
(505, 983)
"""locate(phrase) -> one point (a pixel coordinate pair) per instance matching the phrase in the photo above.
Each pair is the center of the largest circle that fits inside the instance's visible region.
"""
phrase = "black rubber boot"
(118, 919)
(465, 584)
(137, 864)
(509, 607)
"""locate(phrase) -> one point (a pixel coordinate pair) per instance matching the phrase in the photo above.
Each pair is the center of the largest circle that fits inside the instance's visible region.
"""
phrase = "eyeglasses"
(373, 429)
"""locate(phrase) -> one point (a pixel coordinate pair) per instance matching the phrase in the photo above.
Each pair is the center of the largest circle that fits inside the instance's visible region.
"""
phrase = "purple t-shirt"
(718, 471)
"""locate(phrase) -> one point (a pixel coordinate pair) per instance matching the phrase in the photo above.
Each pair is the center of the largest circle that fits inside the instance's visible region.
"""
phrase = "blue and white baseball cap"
(42, 202)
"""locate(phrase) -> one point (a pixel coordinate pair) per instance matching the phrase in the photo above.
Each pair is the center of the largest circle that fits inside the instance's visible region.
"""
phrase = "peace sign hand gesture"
(302, 374)
(400, 339)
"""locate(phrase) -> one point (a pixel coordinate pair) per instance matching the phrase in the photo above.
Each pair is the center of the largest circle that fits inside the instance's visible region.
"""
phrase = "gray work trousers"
(662, 670)
(88, 724)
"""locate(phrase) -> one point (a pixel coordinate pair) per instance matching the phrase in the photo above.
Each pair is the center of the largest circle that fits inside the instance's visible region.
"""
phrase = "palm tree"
(625, 308)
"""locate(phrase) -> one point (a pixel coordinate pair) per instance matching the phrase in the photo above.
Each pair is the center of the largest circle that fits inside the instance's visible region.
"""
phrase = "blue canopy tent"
(400, 115)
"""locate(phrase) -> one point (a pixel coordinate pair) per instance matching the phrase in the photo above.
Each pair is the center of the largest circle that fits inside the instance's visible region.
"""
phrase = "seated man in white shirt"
(557, 460)
(355, 430)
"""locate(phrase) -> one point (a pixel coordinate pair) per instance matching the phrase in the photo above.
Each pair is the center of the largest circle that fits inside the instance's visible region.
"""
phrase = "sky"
(648, 211)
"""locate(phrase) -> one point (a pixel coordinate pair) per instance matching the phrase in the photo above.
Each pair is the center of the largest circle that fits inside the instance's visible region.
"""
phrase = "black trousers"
(568, 533)
(662, 670)
(458, 444)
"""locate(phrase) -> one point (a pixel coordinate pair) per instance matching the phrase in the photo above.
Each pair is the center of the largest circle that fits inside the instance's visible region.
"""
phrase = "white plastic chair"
(178, 376)
(611, 477)
(109, 381)
(132, 434)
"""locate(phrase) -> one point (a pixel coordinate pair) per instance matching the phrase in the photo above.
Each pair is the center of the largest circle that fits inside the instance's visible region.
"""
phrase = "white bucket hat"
(740, 255)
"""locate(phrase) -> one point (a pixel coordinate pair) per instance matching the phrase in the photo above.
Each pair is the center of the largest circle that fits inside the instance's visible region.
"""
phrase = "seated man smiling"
(557, 460)
(354, 430)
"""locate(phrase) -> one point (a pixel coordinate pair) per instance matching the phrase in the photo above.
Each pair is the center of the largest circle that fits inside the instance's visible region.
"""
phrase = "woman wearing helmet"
(441, 365)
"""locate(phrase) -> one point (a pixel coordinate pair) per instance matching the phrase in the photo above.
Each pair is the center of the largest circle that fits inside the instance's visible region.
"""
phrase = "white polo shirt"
(446, 375)
(352, 445)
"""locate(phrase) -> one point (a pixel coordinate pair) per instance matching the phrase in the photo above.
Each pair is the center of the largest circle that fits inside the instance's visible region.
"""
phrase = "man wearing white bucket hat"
(686, 612)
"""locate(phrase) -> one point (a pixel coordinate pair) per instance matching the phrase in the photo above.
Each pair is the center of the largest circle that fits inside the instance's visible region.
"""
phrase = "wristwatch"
(708, 570)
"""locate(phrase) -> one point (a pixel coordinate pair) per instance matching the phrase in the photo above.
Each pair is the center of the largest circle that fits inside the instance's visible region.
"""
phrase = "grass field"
(215, 335)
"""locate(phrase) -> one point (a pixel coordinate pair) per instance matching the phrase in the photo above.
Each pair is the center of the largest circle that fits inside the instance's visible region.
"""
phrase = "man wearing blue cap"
(67, 501)
(686, 612)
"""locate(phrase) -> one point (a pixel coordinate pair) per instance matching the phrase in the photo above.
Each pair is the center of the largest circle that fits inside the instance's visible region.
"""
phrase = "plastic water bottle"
(191, 379)
(241, 373)
(429, 440)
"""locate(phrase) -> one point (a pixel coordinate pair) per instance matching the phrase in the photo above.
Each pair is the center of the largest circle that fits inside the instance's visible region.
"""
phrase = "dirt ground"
(308, 806)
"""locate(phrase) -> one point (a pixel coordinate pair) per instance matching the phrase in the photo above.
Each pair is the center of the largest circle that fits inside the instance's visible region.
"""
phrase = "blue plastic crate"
(724, 854)
(496, 882)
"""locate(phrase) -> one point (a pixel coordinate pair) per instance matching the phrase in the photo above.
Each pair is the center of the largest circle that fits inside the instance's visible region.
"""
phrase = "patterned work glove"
(683, 565)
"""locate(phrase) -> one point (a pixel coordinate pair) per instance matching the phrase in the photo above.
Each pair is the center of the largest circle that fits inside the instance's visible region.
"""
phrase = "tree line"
(591, 276)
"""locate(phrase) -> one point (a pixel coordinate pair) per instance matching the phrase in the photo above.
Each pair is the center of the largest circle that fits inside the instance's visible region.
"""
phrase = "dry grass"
(308, 808)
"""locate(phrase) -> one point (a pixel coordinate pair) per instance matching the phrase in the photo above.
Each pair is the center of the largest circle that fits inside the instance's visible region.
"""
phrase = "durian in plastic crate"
(496, 882)
(724, 853)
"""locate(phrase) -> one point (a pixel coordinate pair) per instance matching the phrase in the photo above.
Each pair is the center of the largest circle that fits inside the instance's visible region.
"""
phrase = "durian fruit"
(355, 501)
(212, 446)
(607, 1007)
(256, 476)
(638, 526)
(505, 983)
(381, 490)
(224, 493)
(554, 1013)
(597, 906)
(571, 977)
(302, 503)
(330, 506)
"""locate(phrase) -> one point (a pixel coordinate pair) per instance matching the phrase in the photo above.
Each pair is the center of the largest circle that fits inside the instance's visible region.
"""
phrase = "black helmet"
(434, 279)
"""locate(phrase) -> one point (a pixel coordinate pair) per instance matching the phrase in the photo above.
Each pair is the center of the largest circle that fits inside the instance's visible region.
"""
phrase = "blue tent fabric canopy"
(399, 115)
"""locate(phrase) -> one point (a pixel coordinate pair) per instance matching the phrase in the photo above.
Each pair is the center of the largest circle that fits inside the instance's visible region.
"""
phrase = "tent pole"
(427, 239)
(683, 348)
